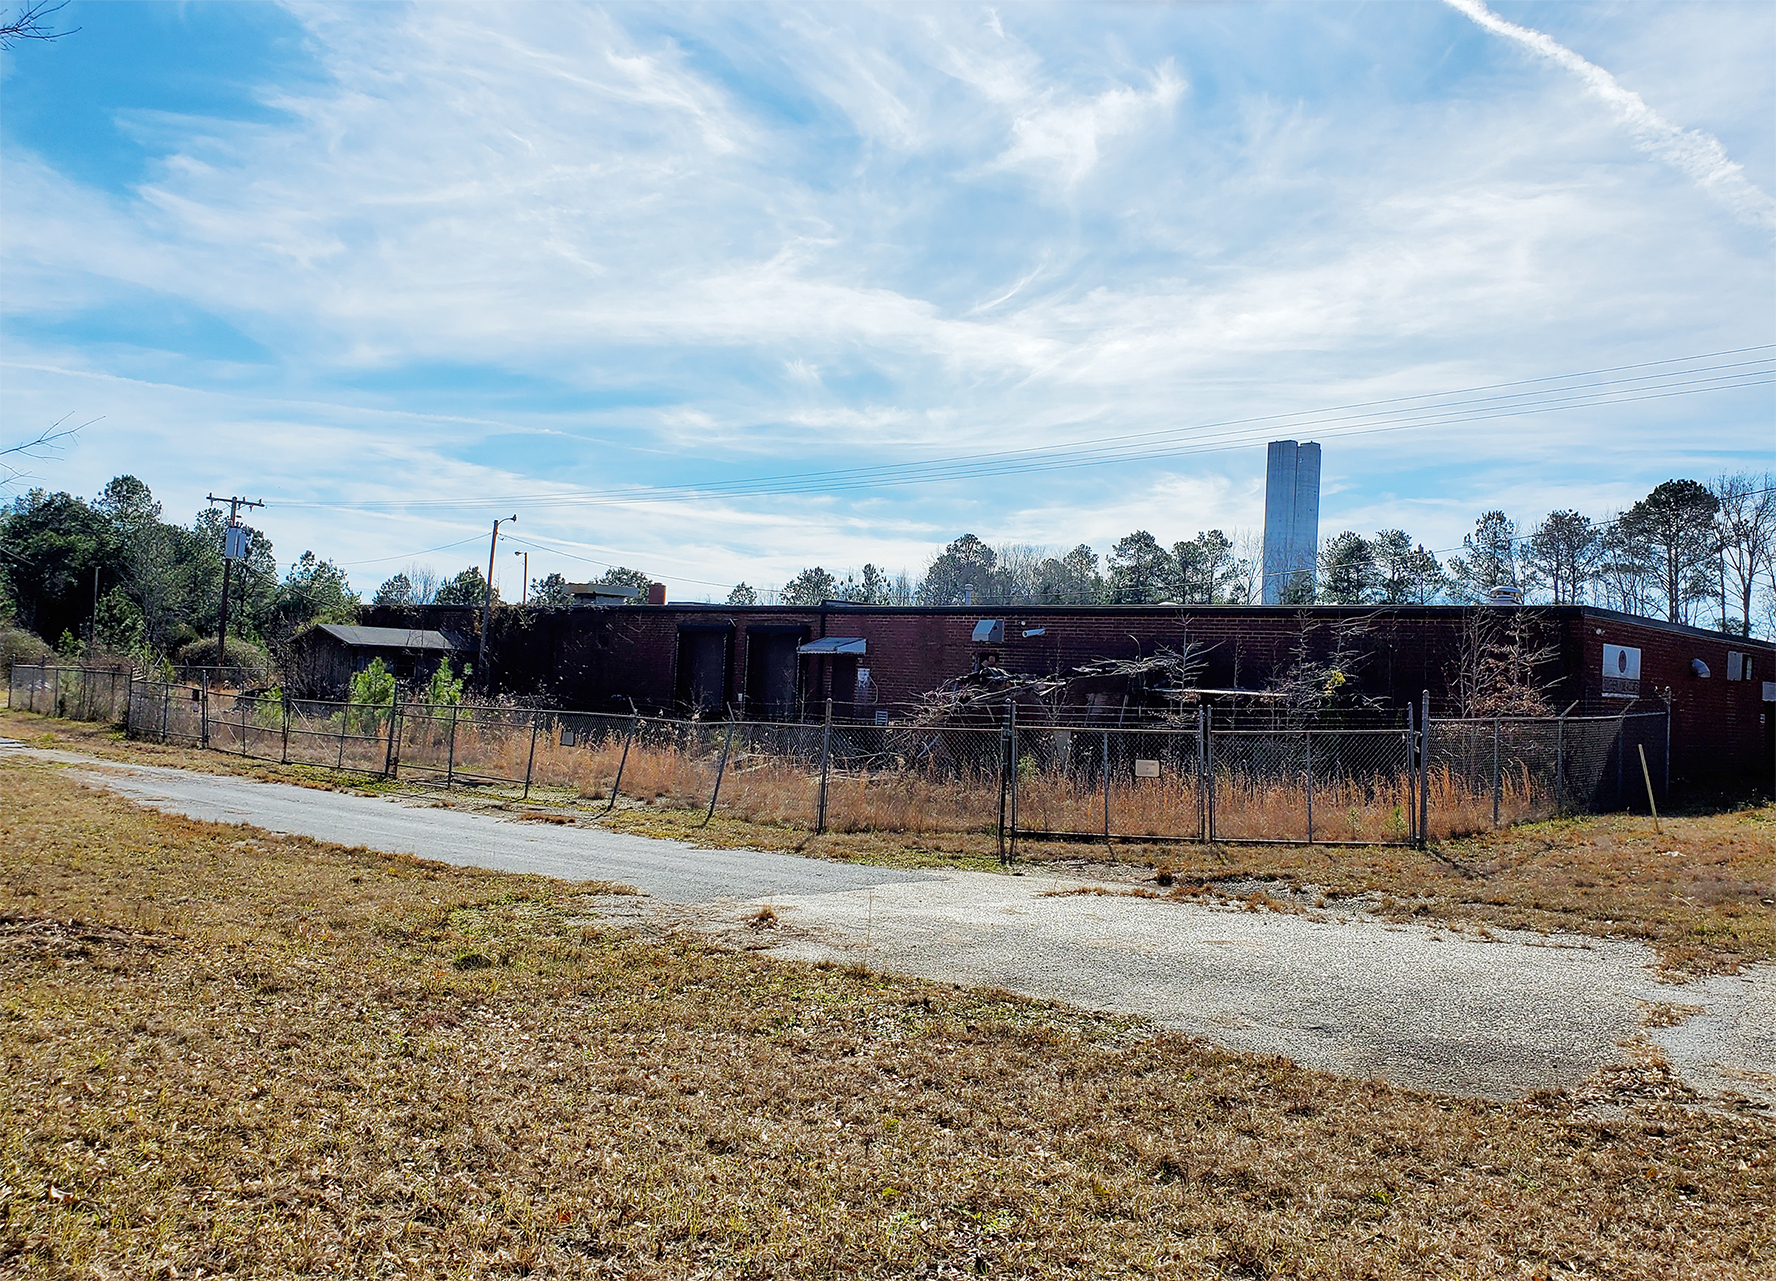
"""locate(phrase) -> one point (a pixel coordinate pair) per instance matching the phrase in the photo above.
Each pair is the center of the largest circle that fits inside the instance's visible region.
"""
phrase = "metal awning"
(834, 645)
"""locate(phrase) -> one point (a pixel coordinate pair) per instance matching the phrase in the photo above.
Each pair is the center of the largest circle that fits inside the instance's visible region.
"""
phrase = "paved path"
(668, 870)
(1418, 1005)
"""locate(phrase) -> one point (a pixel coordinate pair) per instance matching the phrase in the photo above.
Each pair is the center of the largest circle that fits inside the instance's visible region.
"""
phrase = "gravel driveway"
(1420, 1005)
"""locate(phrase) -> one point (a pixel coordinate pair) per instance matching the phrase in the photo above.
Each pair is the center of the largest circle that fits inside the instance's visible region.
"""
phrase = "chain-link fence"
(71, 693)
(1491, 773)
(1319, 784)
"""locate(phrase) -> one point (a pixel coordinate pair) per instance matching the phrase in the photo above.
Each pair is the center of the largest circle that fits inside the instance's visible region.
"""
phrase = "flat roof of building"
(391, 637)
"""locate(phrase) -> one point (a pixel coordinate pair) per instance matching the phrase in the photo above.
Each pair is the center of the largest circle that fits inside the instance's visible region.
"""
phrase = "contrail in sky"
(1698, 154)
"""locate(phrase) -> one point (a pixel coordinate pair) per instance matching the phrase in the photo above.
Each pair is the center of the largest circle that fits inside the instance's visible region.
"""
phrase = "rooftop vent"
(1506, 595)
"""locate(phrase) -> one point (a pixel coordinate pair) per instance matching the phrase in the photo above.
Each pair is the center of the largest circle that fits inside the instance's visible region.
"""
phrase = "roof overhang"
(827, 645)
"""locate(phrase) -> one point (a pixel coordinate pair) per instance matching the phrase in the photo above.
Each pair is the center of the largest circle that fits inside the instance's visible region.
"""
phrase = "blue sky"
(400, 269)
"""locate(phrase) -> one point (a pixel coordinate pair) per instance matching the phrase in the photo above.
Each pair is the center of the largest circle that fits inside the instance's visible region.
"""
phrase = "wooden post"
(720, 770)
(623, 760)
(284, 700)
(1651, 803)
(825, 758)
(203, 712)
(536, 724)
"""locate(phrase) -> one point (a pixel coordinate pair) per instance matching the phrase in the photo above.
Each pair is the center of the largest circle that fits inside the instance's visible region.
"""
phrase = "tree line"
(1689, 552)
(113, 576)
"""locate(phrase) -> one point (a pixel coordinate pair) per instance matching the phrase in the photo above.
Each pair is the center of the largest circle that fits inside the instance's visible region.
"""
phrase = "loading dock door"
(703, 671)
(773, 673)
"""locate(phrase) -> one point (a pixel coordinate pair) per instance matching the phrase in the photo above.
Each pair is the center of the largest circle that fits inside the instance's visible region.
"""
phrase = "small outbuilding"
(324, 658)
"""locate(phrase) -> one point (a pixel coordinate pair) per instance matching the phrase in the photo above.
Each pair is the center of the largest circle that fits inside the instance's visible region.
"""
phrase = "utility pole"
(234, 547)
(524, 589)
(92, 624)
(487, 606)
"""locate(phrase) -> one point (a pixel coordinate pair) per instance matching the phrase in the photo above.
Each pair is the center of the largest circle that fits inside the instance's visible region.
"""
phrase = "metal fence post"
(242, 704)
(1106, 787)
(1011, 844)
(203, 713)
(344, 719)
(720, 770)
(1560, 763)
(389, 760)
(1208, 788)
(1668, 752)
(617, 782)
(1424, 769)
(1621, 767)
(1411, 746)
(825, 758)
(1004, 780)
(284, 703)
(1202, 786)
(536, 725)
(1497, 781)
(450, 759)
(166, 708)
(1308, 740)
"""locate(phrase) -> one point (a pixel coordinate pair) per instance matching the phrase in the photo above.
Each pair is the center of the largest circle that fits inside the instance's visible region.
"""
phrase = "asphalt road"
(667, 870)
(1415, 1004)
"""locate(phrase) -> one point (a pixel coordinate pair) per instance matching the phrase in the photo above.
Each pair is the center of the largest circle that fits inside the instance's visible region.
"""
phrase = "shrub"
(19, 646)
(250, 659)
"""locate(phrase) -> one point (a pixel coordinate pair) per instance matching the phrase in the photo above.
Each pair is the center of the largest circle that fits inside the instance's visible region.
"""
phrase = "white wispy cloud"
(784, 238)
(1690, 151)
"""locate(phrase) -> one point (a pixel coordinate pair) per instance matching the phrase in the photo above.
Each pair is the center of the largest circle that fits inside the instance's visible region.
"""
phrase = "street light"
(487, 605)
(524, 589)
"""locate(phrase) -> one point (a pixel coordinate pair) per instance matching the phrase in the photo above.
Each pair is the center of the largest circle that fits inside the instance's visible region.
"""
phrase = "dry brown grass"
(1710, 908)
(253, 1056)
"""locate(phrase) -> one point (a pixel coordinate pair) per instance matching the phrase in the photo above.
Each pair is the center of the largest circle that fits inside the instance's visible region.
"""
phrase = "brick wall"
(604, 658)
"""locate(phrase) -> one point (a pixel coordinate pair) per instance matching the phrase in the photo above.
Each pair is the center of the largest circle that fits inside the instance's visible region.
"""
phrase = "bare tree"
(44, 445)
(1746, 523)
(1246, 586)
(1504, 666)
(32, 23)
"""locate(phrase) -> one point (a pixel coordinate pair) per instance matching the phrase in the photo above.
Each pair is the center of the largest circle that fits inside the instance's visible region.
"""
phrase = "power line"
(383, 560)
(1176, 442)
(701, 582)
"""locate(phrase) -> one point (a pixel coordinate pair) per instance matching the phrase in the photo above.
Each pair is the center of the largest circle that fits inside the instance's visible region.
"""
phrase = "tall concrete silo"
(1291, 516)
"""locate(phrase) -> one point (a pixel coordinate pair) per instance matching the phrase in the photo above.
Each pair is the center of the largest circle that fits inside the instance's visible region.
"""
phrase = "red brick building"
(784, 662)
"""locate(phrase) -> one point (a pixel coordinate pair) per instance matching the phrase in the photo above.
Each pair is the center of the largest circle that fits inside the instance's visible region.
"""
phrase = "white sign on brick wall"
(1621, 671)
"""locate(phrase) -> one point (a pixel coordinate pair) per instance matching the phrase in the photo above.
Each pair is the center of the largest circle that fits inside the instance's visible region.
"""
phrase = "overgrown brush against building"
(256, 1055)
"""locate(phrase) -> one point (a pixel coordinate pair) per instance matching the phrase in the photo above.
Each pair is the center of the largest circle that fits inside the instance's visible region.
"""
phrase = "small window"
(1735, 666)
